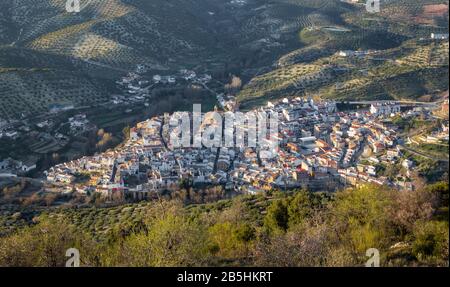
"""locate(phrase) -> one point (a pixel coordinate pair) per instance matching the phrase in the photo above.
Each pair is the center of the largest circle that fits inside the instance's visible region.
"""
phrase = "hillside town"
(137, 85)
(42, 136)
(319, 148)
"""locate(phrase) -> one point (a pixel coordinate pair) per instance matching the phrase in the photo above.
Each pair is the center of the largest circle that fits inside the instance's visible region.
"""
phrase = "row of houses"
(13, 166)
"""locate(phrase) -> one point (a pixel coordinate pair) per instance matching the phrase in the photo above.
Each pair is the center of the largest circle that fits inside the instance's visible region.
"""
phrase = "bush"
(277, 217)
(431, 241)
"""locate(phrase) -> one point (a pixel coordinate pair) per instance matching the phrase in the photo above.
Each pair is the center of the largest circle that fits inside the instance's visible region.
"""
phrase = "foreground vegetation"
(274, 229)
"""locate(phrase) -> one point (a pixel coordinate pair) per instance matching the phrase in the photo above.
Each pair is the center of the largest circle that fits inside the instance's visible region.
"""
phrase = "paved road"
(386, 102)
(424, 155)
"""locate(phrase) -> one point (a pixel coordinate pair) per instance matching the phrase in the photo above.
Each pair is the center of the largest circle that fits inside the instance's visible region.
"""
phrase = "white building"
(384, 109)
(436, 36)
(157, 78)
(4, 163)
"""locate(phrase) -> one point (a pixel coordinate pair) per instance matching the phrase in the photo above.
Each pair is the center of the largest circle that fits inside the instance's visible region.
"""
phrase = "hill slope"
(400, 60)
(285, 46)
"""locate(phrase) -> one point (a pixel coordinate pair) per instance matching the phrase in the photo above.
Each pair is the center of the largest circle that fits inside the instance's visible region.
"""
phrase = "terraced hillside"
(389, 55)
(293, 41)
(37, 92)
(106, 39)
(122, 32)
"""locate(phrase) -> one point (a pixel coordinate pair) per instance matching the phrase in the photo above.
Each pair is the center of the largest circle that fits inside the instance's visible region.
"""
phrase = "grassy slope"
(422, 67)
